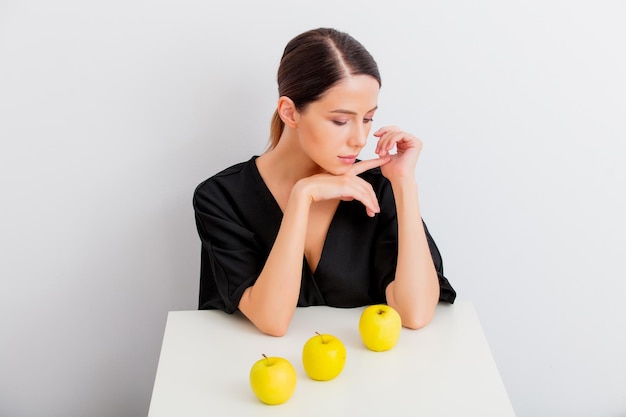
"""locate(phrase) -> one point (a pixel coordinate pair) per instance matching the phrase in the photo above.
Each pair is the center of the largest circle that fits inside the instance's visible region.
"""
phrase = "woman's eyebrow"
(344, 111)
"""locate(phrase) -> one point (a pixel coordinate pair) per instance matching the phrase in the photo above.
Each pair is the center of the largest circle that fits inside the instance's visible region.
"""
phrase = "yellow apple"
(273, 379)
(380, 327)
(323, 357)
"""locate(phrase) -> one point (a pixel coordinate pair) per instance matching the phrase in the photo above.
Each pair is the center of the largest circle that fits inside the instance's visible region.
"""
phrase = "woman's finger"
(367, 164)
(357, 188)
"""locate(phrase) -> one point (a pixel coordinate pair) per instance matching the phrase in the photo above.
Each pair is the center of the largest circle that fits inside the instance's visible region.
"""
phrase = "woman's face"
(333, 130)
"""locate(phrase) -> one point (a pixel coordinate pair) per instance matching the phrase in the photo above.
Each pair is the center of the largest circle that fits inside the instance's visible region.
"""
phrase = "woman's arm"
(271, 301)
(415, 289)
(414, 292)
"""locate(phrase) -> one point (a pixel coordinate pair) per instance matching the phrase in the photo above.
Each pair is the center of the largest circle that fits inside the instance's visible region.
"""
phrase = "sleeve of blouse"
(447, 293)
(229, 252)
(386, 252)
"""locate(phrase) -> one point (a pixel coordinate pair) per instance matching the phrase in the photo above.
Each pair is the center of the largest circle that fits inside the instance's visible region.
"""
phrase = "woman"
(307, 223)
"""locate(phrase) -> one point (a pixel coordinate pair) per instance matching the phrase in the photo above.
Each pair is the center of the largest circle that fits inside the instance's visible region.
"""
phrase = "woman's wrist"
(300, 197)
(300, 192)
(406, 183)
(405, 192)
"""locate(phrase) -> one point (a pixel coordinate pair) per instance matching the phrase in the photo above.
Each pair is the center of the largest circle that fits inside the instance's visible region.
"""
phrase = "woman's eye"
(368, 120)
(339, 122)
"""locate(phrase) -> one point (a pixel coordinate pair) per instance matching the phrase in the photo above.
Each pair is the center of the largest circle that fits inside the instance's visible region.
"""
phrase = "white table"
(444, 369)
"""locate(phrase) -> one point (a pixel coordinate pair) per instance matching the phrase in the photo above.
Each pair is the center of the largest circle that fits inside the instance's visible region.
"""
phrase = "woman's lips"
(347, 159)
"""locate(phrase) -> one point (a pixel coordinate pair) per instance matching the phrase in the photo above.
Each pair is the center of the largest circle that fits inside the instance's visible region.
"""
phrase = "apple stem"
(317, 333)
(266, 358)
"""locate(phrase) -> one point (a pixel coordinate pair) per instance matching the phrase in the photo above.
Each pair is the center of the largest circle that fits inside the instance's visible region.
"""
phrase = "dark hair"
(315, 61)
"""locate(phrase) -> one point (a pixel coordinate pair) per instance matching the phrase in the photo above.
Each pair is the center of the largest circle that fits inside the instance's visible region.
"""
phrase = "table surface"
(443, 369)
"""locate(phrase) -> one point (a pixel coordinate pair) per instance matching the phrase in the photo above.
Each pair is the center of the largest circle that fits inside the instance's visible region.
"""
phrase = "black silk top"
(238, 219)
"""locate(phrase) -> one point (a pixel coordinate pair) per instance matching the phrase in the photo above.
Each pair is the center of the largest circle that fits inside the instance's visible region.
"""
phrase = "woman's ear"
(288, 112)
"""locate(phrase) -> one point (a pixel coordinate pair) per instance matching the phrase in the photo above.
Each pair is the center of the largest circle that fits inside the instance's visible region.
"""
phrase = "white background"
(112, 112)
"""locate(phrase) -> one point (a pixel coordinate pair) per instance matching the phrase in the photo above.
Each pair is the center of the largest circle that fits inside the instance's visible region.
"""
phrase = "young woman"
(307, 223)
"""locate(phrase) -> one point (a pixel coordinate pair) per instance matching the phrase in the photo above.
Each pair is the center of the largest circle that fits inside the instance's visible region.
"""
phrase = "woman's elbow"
(271, 323)
(273, 328)
(274, 331)
(417, 320)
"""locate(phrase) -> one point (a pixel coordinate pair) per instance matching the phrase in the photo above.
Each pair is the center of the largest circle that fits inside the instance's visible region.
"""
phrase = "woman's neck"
(287, 161)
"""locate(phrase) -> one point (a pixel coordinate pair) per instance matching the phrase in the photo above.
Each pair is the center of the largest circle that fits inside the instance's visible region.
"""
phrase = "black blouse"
(238, 219)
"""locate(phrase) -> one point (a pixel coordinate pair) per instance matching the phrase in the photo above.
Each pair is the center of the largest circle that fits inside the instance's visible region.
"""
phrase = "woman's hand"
(348, 186)
(402, 164)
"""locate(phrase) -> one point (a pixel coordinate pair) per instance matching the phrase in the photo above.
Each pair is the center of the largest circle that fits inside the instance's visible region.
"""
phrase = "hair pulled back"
(315, 61)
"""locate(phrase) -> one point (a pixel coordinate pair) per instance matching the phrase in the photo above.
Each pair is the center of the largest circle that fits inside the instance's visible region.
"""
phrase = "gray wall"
(112, 112)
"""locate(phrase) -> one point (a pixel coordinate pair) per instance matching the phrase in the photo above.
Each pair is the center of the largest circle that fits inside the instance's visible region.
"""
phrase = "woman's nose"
(358, 135)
